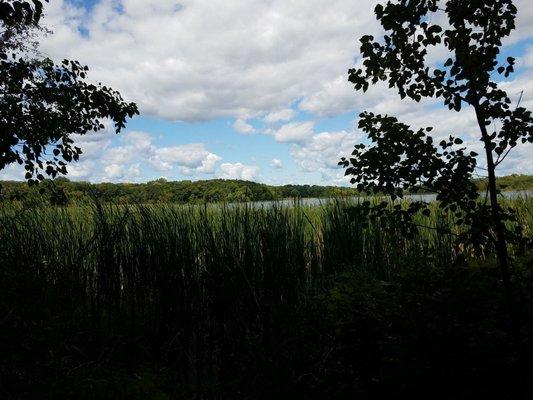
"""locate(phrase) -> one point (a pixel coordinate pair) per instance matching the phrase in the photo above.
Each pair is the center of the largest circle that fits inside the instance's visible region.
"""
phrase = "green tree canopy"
(43, 103)
(400, 158)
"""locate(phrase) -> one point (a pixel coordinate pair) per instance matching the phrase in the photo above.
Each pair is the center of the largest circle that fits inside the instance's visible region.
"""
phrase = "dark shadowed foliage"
(43, 103)
(401, 159)
(214, 302)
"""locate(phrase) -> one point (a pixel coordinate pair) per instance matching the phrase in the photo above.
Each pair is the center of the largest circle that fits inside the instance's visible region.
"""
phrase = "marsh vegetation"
(221, 302)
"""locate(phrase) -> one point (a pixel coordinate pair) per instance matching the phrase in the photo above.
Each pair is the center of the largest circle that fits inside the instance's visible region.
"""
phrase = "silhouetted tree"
(400, 158)
(42, 103)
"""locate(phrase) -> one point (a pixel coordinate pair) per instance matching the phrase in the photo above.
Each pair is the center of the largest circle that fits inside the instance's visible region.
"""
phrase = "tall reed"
(200, 286)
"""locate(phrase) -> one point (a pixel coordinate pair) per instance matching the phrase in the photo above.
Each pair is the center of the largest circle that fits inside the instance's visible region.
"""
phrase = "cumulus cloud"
(242, 126)
(208, 164)
(189, 60)
(126, 162)
(114, 171)
(188, 158)
(122, 172)
(193, 60)
(276, 163)
(238, 171)
(191, 155)
(280, 116)
(93, 143)
(332, 98)
(82, 170)
(294, 132)
(324, 150)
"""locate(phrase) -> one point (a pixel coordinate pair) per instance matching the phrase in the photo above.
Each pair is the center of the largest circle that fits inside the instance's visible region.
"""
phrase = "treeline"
(63, 191)
(514, 182)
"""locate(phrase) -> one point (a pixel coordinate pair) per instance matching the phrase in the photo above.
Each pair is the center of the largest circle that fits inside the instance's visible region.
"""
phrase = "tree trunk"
(499, 228)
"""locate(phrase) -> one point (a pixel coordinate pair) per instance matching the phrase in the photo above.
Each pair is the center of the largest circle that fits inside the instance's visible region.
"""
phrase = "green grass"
(215, 292)
(127, 261)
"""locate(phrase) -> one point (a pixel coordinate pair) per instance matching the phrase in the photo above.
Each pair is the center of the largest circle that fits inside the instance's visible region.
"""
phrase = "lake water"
(419, 197)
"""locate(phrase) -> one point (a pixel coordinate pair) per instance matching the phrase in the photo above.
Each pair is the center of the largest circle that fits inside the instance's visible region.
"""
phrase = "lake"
(419, 197)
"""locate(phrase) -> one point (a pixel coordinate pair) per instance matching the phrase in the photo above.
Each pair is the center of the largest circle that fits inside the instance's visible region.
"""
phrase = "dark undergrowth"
(250, 304)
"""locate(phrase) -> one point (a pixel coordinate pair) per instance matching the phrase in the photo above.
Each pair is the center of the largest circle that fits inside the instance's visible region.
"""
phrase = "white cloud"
(338, 96)
(81, 170)
(187, 155)
(116, 172)
(139, 141)
(192, 60)
(524, 27)
(527, 60)
(208, 164)
(521, 85)
(332, 97)
(189, 158)
(324, 150)
(280, 116)
(238, 171)
(136, 144)
(113, 171)
(276, 163)
(126, 161)
(12, 172)
(518, 162)
(295, 132)
(242, 126)
(94, 143)
(196, 60)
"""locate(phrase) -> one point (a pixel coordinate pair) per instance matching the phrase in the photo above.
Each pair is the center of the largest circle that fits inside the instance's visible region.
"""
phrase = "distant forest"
(64, 191)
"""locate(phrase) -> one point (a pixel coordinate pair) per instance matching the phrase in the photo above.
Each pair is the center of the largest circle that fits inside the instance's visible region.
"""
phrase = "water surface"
(419, 197)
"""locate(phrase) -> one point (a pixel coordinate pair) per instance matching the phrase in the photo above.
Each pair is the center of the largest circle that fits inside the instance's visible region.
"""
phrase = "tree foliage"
(43, 103)
(14, 12)
(61, 191)
(399, 158)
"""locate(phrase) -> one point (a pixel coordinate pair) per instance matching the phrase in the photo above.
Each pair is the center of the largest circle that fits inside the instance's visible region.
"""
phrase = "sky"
(245, 89)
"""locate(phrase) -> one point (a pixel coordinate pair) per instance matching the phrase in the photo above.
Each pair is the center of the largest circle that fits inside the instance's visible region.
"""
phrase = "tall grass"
(201, 287)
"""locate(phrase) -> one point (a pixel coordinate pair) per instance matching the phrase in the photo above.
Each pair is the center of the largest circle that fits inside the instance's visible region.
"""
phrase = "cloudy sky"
(247, 89)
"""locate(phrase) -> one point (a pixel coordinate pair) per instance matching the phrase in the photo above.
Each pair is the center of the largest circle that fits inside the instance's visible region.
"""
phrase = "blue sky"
(241, 89)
